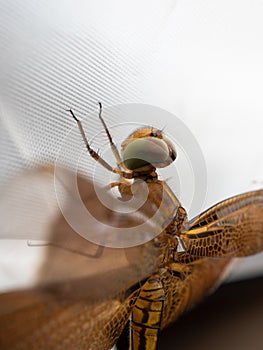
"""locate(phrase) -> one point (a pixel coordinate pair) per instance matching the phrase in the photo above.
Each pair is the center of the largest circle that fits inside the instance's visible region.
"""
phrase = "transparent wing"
(82, 294)
(190, 284)
(233, 227)
(29, 211)
(43, 319)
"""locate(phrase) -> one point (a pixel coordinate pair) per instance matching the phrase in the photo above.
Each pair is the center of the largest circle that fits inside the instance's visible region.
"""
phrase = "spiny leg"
(95, 155)
(112, 144)
(96, 255)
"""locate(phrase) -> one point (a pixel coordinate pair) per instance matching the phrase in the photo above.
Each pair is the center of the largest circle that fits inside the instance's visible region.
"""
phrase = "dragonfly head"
(147, 147)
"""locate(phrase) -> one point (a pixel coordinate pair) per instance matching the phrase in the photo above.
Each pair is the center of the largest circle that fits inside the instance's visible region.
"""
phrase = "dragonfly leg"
(178, 222)
(119, 183)
(112, 144)
(96, 156)
(97, 254)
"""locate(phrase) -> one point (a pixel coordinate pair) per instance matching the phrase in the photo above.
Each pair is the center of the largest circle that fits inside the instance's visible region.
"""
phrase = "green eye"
(145, 151)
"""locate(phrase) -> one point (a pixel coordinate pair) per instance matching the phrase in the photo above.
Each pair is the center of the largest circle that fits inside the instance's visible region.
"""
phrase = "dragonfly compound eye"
(147, 151)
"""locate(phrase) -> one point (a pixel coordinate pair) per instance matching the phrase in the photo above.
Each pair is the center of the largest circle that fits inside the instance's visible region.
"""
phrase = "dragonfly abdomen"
(147, 315)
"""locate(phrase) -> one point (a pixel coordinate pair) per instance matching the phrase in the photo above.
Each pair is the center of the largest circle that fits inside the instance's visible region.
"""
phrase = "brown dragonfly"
(87, 292)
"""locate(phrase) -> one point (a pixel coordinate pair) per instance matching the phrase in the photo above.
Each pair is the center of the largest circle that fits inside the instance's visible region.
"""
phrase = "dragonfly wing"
(82, 291)
(190, 283)
(41, 319)
(30, 212)
(233, 227)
